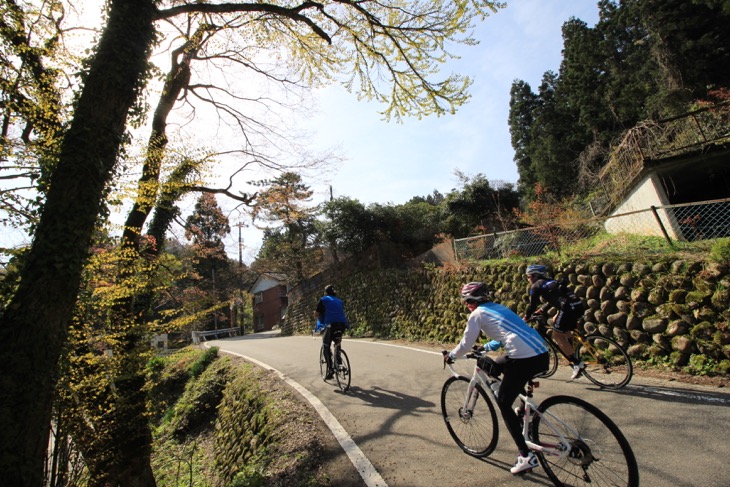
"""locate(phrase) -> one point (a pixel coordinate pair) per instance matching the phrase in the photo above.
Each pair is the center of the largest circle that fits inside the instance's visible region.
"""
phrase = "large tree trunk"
(126, 461)
(126, 458)
(34, 326)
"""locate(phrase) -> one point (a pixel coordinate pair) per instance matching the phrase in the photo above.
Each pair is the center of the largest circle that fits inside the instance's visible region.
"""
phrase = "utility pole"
(241, 306)
(240, 245)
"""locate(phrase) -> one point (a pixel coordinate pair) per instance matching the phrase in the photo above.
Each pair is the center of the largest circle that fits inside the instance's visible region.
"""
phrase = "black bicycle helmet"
(475, 291)
(536, 269)
(329, 289)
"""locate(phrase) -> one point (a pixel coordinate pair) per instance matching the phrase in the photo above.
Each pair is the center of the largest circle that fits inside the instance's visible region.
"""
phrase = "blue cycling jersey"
(331, 310)
(500, 323)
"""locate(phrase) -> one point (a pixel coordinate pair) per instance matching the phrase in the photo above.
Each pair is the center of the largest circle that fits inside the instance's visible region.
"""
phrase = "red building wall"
(268, 311)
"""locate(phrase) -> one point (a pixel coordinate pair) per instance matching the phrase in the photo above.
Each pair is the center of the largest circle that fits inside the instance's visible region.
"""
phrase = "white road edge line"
(366, 469)
(406, 347)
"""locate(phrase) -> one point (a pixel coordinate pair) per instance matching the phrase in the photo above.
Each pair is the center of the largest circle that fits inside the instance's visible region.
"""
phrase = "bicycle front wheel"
(342, 369)
(553, 363)
(470, 418)
(607, 364)
(595, 454)
(322, 364)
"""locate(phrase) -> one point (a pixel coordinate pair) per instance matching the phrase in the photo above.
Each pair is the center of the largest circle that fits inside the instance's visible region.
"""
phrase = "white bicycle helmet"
(475, 291)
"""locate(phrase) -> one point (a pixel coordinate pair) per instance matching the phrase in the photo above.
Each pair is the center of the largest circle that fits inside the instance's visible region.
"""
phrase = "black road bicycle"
(340, 363)
(607, 363)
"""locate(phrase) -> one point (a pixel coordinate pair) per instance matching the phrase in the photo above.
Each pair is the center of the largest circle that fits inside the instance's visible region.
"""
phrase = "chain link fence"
(677, 225)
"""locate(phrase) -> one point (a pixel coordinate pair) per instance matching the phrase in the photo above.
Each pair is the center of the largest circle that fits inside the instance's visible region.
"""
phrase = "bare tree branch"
(292, 13)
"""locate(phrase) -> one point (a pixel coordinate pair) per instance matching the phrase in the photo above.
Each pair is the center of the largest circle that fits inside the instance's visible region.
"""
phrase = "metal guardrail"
(222, 333)
(688, 222)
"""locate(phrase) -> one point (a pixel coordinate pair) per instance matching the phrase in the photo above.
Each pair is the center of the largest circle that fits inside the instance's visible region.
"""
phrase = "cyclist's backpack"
(563, 287)
(566, 297)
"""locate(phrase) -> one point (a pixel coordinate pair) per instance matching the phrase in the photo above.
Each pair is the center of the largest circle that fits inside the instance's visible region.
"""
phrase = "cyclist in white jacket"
(526, 357)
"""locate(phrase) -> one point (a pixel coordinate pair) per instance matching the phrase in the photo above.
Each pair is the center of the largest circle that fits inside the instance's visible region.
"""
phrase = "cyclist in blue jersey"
(526, 356)
(330, 311)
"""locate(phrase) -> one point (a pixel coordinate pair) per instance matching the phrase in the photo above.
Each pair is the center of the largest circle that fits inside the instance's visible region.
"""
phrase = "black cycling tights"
(329, 333)
(516, 374)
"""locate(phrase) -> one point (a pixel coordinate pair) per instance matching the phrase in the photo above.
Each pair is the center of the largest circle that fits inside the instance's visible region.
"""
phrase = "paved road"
(680, 435)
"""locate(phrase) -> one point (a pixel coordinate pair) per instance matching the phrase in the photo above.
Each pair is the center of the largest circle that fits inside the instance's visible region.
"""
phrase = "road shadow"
(682, 395)
(384, 398)
(671, 394)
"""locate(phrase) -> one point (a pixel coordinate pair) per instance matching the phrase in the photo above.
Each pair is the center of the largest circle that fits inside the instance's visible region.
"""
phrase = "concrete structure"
(678, 161)
(270, 300)
(674, 181)
(647, 193)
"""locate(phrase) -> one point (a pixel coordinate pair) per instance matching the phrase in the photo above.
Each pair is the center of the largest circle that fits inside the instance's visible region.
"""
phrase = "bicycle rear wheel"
(553, 364)
(342, 369)
(599, 454)
(607, 364)
(474, 429)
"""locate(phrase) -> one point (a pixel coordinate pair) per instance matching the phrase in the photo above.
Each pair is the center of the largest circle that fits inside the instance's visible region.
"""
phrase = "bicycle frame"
(576, 337)
(577, 340)
(561, 449)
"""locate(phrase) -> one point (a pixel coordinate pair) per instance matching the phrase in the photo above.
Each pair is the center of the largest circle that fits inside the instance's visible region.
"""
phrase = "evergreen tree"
(206, 228)
(290, 231)
(689, 43)
(348, 226)
(522, 110)
(644, 59)
(555, 139)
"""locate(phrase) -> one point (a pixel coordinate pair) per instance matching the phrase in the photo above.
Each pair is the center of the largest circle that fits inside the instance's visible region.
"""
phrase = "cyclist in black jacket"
(570, 309)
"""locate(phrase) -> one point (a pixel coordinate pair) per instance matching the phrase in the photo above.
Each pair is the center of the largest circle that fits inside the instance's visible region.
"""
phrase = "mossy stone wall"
(673, 310)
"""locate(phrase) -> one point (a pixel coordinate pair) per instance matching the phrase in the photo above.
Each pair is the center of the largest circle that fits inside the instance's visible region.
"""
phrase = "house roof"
(267, 280)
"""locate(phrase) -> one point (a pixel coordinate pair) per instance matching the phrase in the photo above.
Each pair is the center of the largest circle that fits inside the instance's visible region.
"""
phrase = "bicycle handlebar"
(475, 354)
(538, 317)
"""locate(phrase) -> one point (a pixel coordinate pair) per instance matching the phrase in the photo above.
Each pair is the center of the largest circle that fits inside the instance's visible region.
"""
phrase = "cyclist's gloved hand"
(493, 346)
(448, 357)
(319, 327)
(537, 315)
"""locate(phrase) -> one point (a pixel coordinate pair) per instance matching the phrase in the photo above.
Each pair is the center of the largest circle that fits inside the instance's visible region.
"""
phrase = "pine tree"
(289, 227)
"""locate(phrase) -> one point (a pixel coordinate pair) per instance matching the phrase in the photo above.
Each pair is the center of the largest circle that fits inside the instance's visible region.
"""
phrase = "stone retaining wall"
(674, 311)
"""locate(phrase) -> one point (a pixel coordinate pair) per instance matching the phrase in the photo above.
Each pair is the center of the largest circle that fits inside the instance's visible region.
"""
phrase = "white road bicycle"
(575, 442)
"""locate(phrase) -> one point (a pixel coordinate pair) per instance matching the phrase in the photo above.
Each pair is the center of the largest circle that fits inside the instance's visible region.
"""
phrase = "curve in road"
(365, 468)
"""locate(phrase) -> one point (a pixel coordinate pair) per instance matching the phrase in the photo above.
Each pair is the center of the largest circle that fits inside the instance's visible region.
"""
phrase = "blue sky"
(391, 163)
(388, 162)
